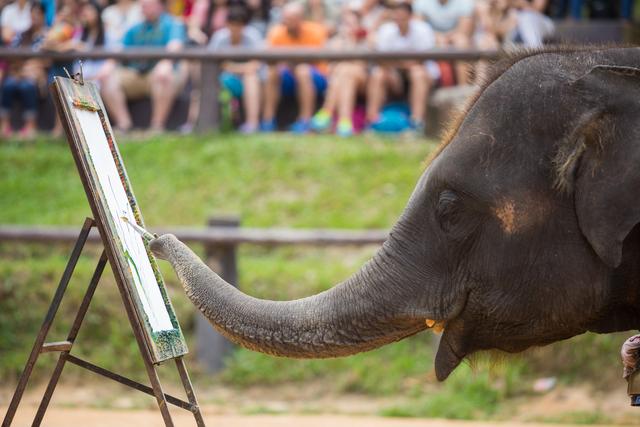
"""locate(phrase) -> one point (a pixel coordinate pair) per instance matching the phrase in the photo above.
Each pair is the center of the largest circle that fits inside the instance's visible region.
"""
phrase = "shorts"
(288, 81)
(136, 85)
(232, 83)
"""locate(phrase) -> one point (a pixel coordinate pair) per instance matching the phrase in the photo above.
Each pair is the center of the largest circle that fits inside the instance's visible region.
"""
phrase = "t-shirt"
(222, 39)
(153, 34)
(443, 17)
(116, 22)
(419, 37)
(311, 34)
(19, 20)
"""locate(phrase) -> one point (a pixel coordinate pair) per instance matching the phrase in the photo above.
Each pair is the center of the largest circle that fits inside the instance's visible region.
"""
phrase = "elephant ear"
(607, 169)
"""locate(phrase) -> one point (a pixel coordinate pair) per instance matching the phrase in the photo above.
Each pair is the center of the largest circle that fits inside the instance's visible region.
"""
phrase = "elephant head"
(521, 231)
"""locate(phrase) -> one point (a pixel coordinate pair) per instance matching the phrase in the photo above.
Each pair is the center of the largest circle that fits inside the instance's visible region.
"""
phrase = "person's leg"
(29, 93)
(376, 92)
(193, 68)
(420, 84)
(165, 83)
(8, 94)
(576, 9)
(271, 95)
(305, 91)
(626, 10)
(486, 41)
(322, 119)
(113, 94)
(463, 69)
(251, 98)
(353, 78)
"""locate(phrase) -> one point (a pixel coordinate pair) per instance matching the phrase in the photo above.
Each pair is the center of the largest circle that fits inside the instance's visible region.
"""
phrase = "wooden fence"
(220, 238)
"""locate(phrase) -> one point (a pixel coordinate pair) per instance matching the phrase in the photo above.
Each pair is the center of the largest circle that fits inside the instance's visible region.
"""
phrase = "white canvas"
(115, 194)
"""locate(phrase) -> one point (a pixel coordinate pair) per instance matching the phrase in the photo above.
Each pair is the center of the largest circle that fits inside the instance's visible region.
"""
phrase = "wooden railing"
(210, 61)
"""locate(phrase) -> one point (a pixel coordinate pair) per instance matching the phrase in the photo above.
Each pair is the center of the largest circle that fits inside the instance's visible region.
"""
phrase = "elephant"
(521, 231)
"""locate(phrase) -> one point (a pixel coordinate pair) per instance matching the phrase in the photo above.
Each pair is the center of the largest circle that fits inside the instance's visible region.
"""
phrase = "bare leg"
(271, 93)
(115, 100)
(305, 90)
(251, 98)
(334, 88)
(194, 101)
(462, 69)
(487, 41)
(376, 93)
(352, 77)
(163, 92)
(420, 84)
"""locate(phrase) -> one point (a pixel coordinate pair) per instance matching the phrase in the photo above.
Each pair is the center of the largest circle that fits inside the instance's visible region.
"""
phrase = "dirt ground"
(101, 405)
(65, 417)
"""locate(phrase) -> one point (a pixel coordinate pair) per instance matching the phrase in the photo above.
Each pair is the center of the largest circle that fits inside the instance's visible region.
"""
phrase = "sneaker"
(344, 128)
(300, 126)
(247, 129)
(321, 121)
(268, 125)
(417, 127)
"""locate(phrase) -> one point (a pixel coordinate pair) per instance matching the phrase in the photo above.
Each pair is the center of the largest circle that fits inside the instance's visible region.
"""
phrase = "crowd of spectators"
(341, 87)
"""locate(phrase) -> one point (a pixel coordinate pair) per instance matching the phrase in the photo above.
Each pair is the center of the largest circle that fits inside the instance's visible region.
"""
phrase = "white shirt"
(419, 37)
(443, 17)
(116, 22)
(19, 20)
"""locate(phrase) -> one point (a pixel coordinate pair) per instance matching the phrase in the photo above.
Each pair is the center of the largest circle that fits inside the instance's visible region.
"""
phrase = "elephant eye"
(447, 211)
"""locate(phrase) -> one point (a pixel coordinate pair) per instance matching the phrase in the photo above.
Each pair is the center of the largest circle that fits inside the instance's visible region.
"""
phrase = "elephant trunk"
(364, 312)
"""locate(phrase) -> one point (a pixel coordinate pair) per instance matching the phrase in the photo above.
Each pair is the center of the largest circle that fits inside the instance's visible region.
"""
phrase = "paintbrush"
(146, 235)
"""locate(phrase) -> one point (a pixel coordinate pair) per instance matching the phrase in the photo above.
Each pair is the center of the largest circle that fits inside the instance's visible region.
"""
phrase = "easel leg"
(48, 320)
(188, 388)
(75, 328)
(157, 390)
(144, 352)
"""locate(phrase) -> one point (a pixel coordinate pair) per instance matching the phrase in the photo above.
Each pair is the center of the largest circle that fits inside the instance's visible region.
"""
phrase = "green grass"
(270, 181)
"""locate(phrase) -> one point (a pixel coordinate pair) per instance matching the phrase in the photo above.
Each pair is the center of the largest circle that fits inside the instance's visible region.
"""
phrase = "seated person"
(346, 78)
(452, 21)
(401, 34)
(24, 77)
(241, 78)
(15, 18)
(307, 80)
(162, 80)
(532, 25)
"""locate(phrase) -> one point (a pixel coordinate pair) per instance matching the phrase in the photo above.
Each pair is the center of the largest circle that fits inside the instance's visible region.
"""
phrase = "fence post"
(211, 347)
(209, 115)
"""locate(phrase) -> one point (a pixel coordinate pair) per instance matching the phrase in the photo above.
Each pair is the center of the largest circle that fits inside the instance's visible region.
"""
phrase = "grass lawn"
(270, 181)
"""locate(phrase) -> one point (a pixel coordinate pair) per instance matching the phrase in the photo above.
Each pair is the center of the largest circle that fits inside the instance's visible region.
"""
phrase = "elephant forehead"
(521, 214)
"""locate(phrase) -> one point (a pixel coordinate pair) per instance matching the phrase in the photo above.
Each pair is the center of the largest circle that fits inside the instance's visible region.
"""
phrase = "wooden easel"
(64, 347)
(152, 354)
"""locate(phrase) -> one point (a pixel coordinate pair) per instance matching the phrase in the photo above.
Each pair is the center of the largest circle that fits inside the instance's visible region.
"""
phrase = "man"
(162, 80)
(402, 33)
(306, 80)
(15, 18)
(241, 78)
(452, 21)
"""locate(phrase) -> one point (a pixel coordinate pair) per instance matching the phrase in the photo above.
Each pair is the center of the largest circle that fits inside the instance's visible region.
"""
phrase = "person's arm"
(196, 22)
(177, 37)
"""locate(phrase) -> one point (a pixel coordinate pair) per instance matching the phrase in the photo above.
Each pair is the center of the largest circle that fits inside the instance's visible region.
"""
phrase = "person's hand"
(630, 352)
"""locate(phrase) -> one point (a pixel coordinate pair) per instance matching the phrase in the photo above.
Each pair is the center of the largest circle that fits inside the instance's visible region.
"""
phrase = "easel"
(64, 347)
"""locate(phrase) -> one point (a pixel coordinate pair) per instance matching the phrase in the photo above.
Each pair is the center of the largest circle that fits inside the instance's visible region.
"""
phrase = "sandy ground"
(97, 405)
(65, 417)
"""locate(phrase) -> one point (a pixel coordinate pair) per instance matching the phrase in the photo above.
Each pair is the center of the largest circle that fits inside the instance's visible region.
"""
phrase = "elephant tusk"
(437, 327)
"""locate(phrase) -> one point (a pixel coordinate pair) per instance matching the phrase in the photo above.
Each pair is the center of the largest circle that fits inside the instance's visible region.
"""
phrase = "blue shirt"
(153, 34)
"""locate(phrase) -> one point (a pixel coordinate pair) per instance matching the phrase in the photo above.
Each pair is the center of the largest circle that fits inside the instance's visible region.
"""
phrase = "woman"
(92, 35)
(346, 79)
